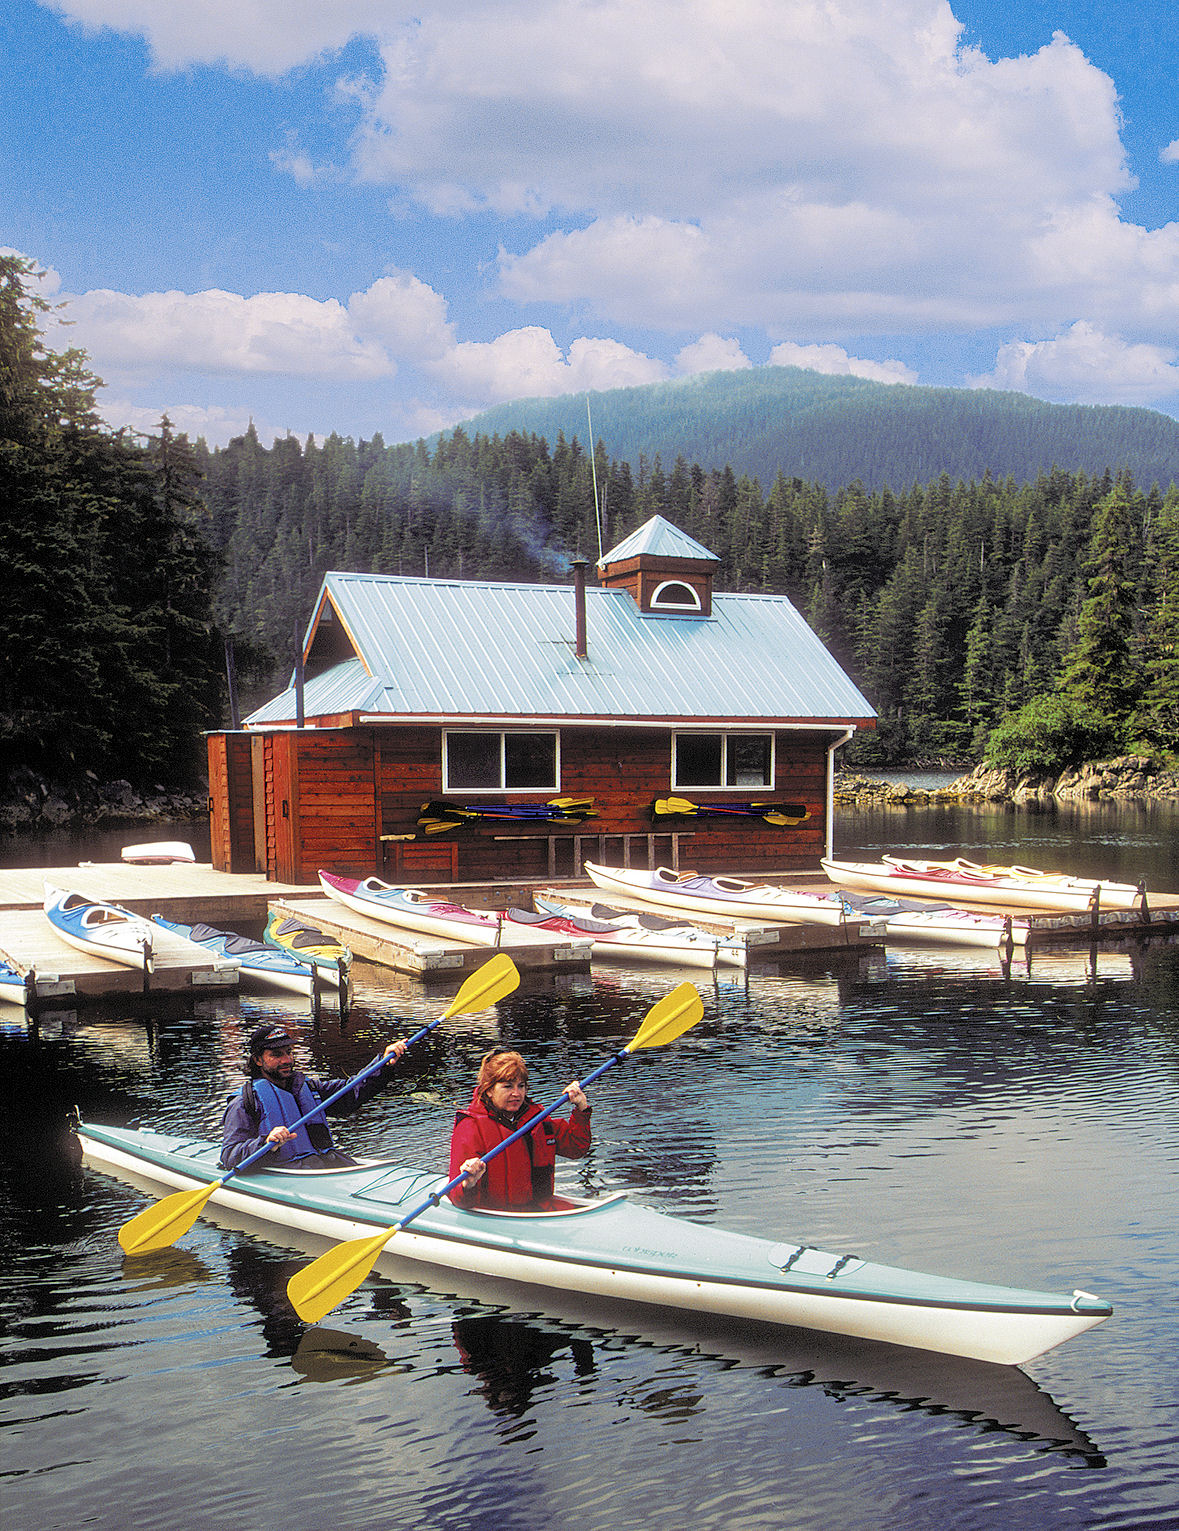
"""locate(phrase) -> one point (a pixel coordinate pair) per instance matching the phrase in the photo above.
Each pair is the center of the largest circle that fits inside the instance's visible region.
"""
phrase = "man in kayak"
(277, 1094)
(522, 1176)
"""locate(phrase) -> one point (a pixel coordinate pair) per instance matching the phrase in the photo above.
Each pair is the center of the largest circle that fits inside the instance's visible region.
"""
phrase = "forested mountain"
(836, 430)
(952, 603)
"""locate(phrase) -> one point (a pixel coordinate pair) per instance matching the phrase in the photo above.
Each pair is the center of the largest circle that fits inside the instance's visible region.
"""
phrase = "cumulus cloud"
(711, 353)
(214, 423)
(815, 170)
(528, 363)
(276, 332)
(835, 361)
(266, 36)
(1082, 365)
(1170, 155)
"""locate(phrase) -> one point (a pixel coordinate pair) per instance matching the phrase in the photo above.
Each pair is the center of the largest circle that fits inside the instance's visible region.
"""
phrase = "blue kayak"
(255, 959)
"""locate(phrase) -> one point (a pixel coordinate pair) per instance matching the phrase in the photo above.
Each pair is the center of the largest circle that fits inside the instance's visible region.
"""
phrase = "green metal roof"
(454, 650)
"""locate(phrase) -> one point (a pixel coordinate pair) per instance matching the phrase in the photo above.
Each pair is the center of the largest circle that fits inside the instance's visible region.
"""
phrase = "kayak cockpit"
(558, 1206)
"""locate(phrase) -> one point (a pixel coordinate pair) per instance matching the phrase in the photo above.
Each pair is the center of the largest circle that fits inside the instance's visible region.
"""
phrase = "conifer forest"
(1034, 622)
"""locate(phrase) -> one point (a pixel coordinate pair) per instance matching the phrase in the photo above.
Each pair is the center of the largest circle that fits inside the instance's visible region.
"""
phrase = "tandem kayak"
(729, 897)
(264, 964)
(612, 1248)
(288, 933)
(415, 909)
(632, 937)
(939, 924)
(965, 882)
(102, 930)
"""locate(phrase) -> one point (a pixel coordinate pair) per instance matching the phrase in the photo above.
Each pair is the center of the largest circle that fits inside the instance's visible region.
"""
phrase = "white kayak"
(939, 924)
(417, 910)
(728, 897)
(619, 936)
(100, 930)
(966, 882)
(613, 1248)
(158, 853)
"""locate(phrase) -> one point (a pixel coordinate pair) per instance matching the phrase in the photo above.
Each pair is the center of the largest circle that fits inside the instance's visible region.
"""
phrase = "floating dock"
(190, 892)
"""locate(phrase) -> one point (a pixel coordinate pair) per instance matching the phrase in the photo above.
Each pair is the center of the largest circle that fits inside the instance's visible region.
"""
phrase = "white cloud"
(406, 315)
(276, 332)
(835, 361)
(816, 170)
(214, 423)
(266, 36)
(528, 363)
(1170, 155)
(712, 353)
(1082, 365)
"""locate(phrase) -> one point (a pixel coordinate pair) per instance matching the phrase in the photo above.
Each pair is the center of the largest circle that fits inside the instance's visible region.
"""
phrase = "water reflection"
(512, 1359)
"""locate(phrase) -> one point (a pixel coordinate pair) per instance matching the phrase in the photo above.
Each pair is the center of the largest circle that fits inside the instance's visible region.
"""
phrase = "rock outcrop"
(31, 805)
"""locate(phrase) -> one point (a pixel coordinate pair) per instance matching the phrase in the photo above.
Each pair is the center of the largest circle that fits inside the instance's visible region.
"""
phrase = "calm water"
(930, 1109)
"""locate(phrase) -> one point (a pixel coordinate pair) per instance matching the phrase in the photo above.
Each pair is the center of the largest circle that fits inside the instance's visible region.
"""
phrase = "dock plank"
(31, 944)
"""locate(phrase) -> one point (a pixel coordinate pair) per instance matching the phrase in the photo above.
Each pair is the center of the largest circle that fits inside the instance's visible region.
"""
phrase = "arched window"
(674, 595)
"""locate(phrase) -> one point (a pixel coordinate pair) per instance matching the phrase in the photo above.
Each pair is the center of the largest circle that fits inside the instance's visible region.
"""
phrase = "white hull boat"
(100, 930)
(615, 1249)
(729, 897)
(620, 937)
(940, 924)
(964, 882)
(417, 910)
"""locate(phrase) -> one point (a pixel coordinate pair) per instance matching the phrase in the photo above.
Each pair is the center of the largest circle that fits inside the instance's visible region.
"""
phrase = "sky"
(365, 215)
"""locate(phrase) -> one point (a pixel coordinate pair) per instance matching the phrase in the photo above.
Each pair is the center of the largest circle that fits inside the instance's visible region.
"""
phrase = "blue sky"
(369, 216)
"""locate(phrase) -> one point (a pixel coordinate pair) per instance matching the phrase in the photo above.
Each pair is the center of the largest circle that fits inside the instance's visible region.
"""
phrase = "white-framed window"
(486, 760)
(674, 595)
(722, 760)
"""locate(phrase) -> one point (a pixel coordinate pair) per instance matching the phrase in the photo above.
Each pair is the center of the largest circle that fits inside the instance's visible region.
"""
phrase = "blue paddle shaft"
(533, 1121)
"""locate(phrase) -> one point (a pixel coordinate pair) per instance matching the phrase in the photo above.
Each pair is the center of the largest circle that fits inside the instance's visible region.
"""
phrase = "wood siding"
(325, 797)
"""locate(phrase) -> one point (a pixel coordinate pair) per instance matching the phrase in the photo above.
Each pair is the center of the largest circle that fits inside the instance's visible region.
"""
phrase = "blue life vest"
(282, 1108)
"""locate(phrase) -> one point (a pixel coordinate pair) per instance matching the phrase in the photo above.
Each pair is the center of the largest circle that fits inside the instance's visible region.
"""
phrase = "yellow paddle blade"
(323, 1285)
(162, 1223)
(486, 986)
(675, 1013)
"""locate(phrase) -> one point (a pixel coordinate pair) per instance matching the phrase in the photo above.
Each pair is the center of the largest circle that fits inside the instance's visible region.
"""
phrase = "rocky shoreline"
(31, 805)
(1127, 777)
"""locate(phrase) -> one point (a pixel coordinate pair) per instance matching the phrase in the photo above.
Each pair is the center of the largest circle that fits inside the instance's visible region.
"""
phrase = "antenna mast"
(594, 471)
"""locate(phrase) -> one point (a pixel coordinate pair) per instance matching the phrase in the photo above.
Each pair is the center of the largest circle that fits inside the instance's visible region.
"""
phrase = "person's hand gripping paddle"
(165, 1221)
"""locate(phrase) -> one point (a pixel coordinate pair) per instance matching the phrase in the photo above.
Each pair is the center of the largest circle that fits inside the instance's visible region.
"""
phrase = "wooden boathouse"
(459, 730)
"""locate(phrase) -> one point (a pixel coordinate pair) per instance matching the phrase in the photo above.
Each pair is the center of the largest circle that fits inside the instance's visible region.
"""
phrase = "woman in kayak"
(522, 1176)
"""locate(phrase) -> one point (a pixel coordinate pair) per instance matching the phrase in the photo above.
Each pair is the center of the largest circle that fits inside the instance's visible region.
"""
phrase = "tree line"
(953, 605)
(110, 659)
(1033, 620)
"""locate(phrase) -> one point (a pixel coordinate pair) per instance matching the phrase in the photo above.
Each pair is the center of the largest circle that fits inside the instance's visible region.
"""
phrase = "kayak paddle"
(773, 813)
(323, 1285)
(165, 1221)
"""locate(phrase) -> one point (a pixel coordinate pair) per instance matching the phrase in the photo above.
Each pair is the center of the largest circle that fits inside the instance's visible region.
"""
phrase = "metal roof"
(460, 649)
(658, 538)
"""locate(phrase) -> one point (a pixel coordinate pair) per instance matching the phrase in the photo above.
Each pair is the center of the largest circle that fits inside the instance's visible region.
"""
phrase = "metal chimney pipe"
(581, 650)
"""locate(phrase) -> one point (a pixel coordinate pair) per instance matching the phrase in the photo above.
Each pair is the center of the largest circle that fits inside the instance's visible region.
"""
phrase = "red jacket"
(523, 1174)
